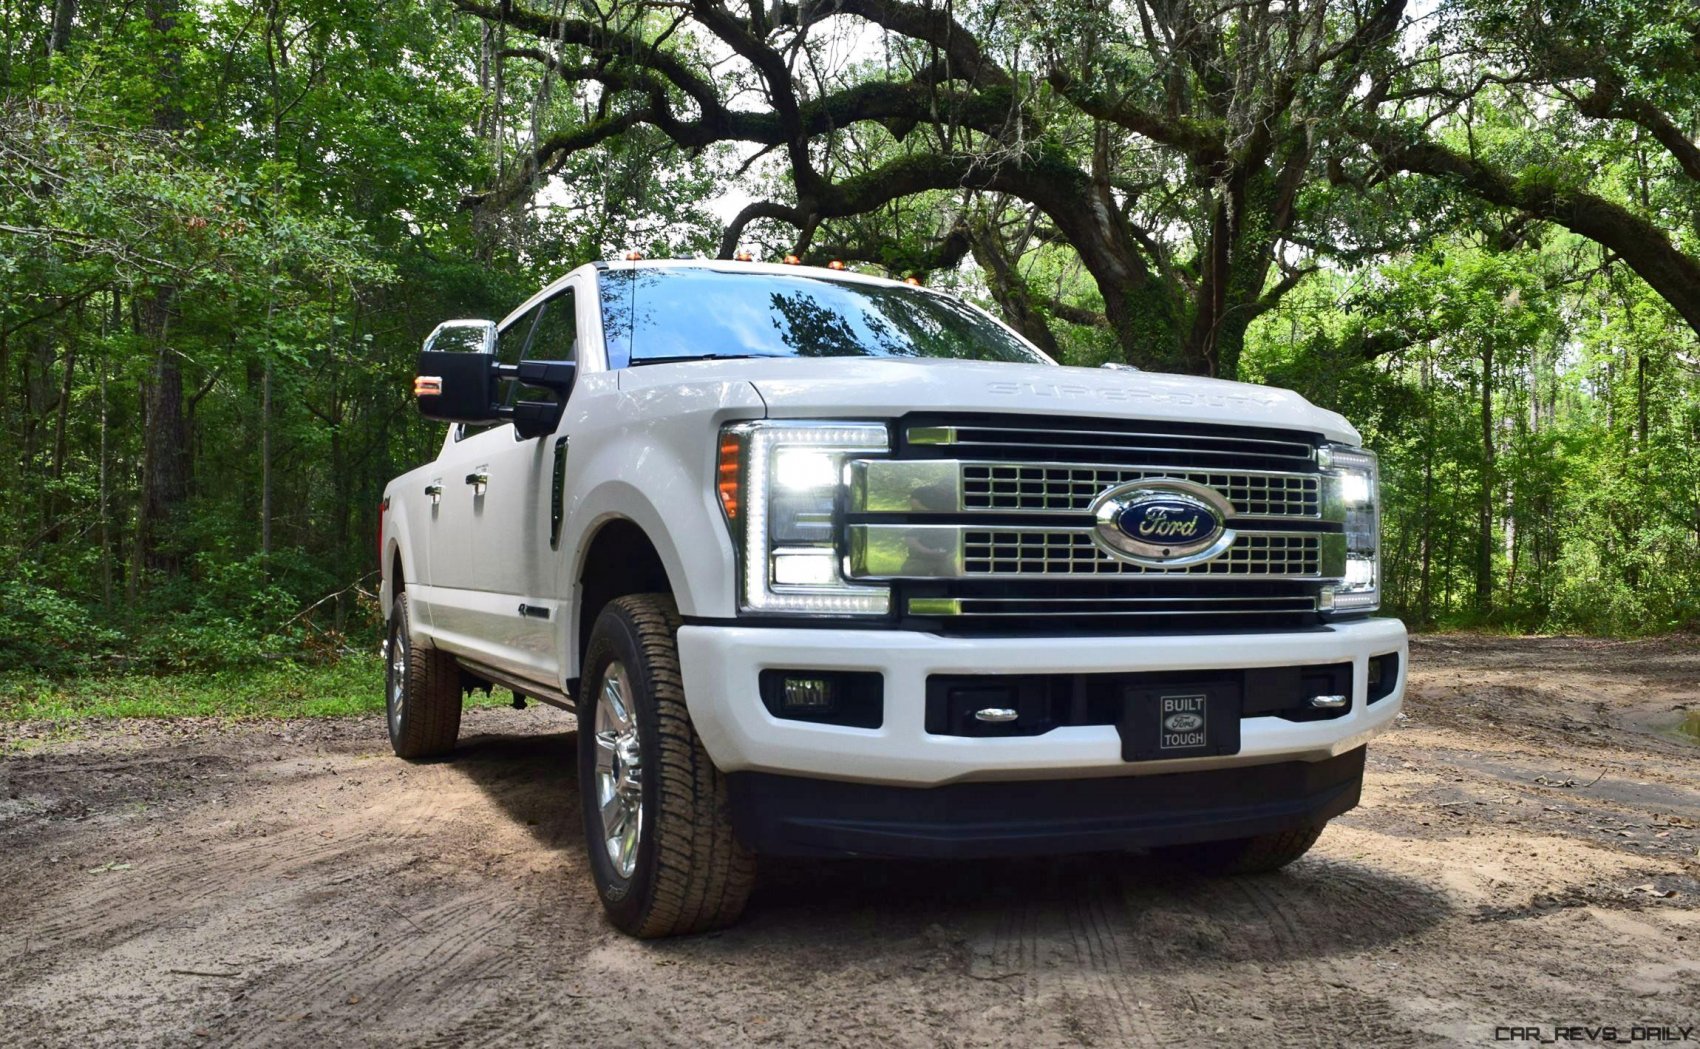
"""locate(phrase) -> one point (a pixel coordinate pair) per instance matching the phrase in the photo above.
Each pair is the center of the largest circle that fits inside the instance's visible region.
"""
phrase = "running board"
(542, 693)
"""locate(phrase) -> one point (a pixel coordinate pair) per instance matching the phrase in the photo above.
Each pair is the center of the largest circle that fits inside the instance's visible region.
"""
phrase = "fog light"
(807, 694)
(853, 698)
(1383, 676)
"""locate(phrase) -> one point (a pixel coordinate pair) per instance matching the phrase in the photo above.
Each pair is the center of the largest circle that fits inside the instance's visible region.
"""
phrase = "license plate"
(1180, 721)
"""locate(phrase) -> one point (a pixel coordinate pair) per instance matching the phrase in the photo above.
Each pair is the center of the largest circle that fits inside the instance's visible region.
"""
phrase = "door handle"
(435, 491)
(479, 481)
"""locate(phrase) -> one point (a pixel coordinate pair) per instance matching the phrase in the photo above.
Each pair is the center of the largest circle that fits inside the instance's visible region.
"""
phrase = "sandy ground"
(1526, 855)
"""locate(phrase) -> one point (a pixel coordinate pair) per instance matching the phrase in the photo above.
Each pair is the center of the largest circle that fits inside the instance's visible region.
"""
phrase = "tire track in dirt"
(331, 895)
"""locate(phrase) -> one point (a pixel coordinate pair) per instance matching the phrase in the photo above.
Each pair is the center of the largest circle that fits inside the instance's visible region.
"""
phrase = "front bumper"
(722, 665)
(792, 816)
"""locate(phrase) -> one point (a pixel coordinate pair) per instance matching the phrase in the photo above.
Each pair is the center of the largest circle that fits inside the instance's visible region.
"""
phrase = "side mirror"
(536, 418)
(459, 380)
(455, 378)
(457, 387)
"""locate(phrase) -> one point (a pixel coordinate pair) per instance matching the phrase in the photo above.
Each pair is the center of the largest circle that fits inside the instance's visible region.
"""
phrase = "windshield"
(650, 315)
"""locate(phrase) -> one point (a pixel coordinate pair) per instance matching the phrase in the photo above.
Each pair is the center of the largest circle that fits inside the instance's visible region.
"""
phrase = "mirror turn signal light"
(428, 386)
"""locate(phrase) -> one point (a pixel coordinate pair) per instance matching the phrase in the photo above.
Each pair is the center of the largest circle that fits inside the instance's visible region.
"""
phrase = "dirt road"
(1526, 854)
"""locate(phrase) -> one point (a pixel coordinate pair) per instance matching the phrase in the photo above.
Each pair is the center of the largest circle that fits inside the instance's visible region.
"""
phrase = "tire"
(421, 692)
(1255, 855)
(684, 872)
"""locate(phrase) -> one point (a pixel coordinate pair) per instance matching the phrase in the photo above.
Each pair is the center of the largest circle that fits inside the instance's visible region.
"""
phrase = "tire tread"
(430, 723)
(701, 876)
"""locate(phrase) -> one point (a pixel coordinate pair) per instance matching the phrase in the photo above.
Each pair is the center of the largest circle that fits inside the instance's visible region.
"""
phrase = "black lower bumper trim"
(795, 816)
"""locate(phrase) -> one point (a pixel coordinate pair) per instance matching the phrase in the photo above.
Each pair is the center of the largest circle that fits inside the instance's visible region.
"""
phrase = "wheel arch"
(620, 558)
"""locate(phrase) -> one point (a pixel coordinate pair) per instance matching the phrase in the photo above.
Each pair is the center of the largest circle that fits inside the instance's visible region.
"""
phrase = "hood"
(839, 388)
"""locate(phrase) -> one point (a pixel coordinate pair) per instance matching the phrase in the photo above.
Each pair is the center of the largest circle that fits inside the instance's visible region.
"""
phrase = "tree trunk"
(266, 461)
(64, 14)
(1641, 403)
(104, 504)
(165, 443)
(59, 449)
(1484, 498)
(1009, 288)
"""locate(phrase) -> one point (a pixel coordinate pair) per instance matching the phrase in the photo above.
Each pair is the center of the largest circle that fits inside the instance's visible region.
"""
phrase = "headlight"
(779, 484)
(1354, 486)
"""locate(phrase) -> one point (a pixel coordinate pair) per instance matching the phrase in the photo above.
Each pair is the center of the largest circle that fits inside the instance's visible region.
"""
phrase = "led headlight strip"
(791, 474)
(1354, 475)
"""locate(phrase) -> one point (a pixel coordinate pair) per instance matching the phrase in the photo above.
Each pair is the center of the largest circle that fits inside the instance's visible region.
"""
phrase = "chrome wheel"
(398, 680)
(619, 770)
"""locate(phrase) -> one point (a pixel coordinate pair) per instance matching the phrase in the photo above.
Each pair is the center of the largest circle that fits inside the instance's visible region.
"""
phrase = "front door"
(517, 614)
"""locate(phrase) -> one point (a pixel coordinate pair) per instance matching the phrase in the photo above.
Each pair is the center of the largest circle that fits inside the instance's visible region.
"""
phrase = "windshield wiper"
(706, 357)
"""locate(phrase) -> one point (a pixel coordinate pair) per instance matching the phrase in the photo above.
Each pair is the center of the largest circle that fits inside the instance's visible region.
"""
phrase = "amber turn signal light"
(428, 386)
(727, 477)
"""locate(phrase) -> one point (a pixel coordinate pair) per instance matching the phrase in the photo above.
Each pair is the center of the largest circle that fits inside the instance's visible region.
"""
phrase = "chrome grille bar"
(1011, 552)
(907, 551)
(1126, 606)
(982, 486)
(1072, 487)
(1115, 442)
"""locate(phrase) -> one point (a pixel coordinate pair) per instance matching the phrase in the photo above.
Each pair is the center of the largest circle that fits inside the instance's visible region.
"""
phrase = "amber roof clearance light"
(835, 264)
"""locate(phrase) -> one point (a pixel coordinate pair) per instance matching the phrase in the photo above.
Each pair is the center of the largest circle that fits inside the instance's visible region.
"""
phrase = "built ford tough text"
(833, 565)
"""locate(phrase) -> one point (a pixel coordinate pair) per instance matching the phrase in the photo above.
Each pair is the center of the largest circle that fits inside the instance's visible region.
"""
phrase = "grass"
(351, 685)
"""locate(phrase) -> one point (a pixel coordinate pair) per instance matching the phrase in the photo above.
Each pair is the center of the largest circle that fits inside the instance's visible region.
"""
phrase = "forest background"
(225, 227)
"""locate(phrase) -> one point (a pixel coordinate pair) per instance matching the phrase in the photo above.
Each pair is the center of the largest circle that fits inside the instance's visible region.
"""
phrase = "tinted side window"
(556, 335)
(511, 343)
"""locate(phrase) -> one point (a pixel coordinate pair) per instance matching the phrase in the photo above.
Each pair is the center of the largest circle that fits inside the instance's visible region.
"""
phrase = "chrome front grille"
(1071, 488)
(991, 523)
(1059, 552)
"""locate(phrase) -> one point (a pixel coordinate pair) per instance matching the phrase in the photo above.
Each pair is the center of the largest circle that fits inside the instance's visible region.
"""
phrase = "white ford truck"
(833, 565)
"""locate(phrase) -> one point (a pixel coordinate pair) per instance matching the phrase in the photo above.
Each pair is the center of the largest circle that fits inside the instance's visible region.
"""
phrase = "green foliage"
(287, 183)
(1588, 463)
(42, 629)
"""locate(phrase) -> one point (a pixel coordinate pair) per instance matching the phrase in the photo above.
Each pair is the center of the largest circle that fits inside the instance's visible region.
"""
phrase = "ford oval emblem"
(1163, 522)
(1183, 723)
(1177, 522)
